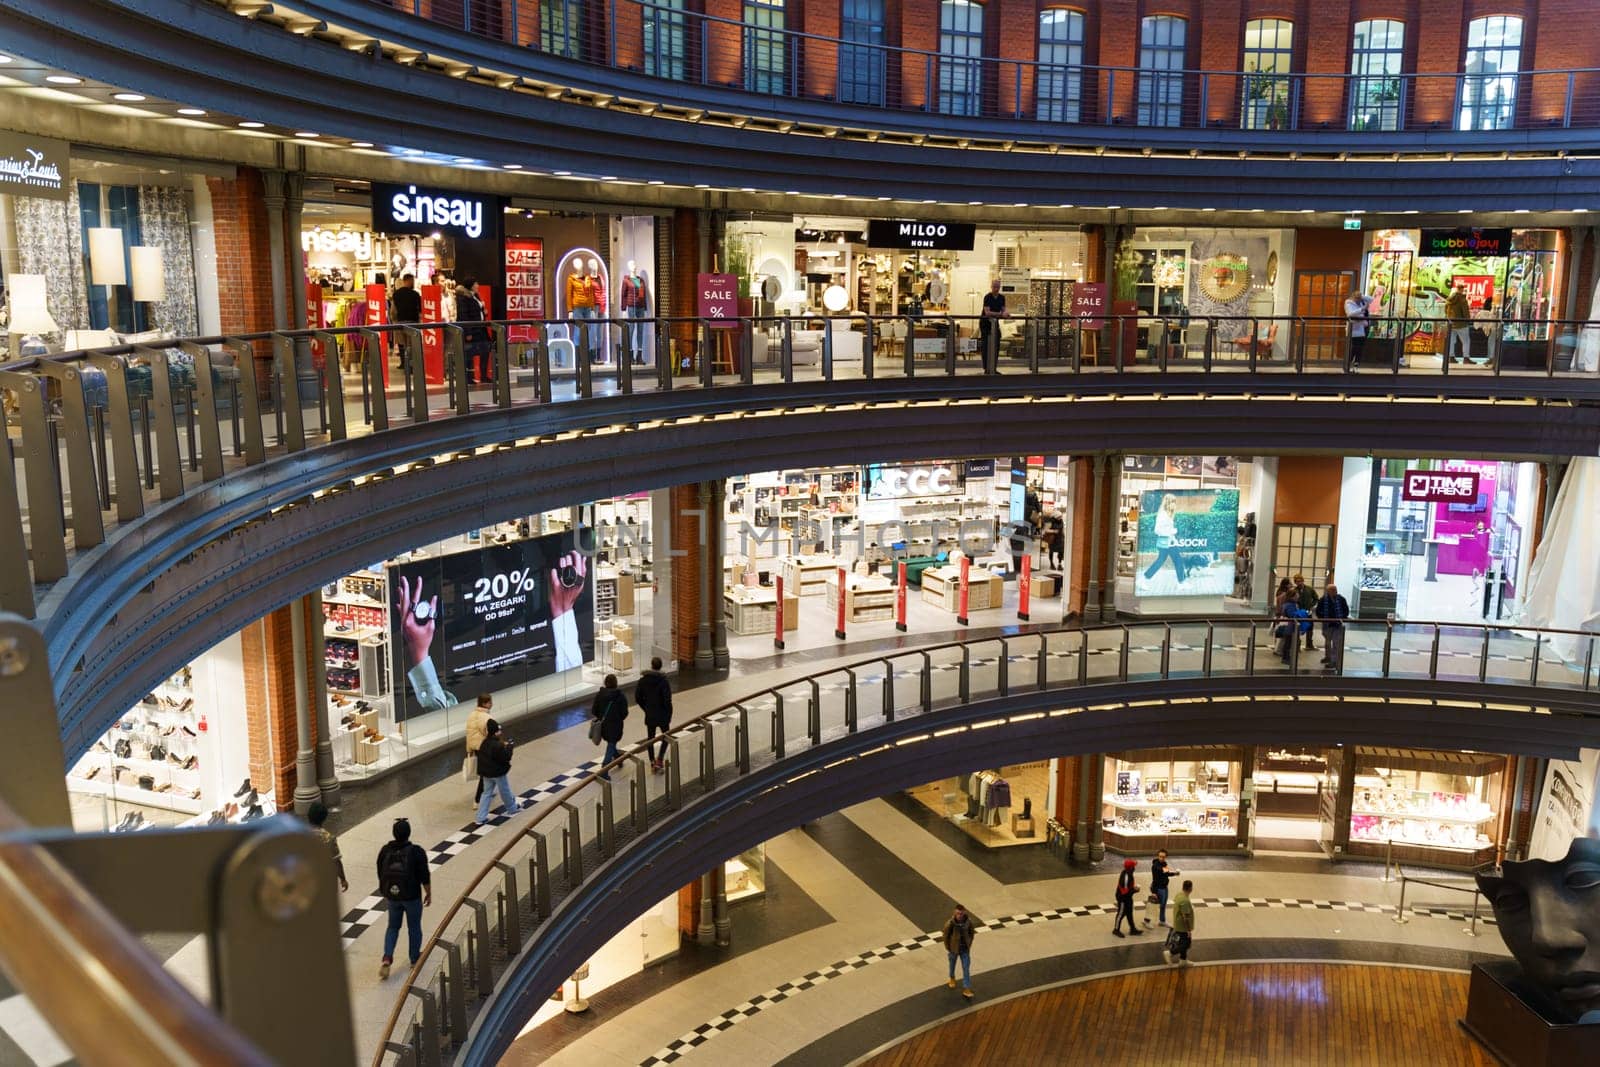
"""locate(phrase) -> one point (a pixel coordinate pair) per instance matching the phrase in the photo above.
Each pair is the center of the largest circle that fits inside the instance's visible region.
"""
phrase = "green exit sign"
(1352, 224)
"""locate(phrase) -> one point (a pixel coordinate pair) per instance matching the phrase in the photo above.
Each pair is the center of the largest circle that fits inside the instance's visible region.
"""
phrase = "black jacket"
(416, 863)
(1158, 874)
(494, 758)
(407, 305)
(469, 309)
(611, 708)
(654, 695)
(1333, 608)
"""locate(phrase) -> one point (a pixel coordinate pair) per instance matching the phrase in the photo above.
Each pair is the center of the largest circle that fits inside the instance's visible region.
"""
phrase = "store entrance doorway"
(1319, 298)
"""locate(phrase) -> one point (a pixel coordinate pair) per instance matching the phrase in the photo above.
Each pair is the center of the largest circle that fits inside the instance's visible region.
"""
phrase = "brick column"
(269, 700)
(681, 298)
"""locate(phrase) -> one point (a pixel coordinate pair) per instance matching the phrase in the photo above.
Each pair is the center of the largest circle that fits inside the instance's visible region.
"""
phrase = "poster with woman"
(1187, 540)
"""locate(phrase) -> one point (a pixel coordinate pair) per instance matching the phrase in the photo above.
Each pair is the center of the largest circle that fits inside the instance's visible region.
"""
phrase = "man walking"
(1160, 872)
(1333, 609)
(494, 767)
(1127, 888)
(1358, 310)
(653, 694)
(958, 934)
(403, 880)
(316, 815)
(609, 710)
(1458, 311)
(405, 309)
(1177, 952)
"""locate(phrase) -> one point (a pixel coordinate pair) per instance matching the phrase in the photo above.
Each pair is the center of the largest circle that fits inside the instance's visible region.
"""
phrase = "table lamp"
(30, 314)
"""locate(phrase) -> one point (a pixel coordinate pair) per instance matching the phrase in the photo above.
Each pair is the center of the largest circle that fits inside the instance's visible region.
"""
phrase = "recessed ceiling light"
(127, 98)
(308, 134)
(463, 159)
(411, 151)
(791, 192)
(657, 181)
(883, 198)
(5, 59)
(698, 185)
(251, 125)
(360, 144)
(974, 203)
(62, 79)
(746, 189)
(191, 111)
(608, 177)
(562, 173)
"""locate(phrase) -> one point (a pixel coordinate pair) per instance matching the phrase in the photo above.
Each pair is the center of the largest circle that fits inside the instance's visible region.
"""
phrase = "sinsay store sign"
(419, 209)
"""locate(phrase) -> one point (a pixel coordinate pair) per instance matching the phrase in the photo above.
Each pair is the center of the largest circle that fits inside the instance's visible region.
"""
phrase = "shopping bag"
(469, 769)
(594, 731)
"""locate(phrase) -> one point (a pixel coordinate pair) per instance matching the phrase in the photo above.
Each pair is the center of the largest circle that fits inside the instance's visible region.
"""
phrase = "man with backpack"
(653, 694)
(407, 889)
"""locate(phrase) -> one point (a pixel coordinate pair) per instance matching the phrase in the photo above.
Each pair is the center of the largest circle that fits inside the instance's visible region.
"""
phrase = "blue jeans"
(636, 332)
(411, 912)
(592, 329)
(1161, 895)
(965, 957)
(503, 784)
(605, 761)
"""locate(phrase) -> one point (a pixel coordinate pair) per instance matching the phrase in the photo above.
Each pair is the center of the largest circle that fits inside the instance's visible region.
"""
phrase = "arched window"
(765, 47)
(1163, 43)
(1060, 80)
(664, 38)
(1377, 57)
(1268, 59)
(862, 56)
(1489, 76)
(960, 57)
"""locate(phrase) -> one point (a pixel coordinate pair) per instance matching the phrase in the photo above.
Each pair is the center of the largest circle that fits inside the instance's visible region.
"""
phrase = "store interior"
(805, 526)
(1182, 800)
(998, 807)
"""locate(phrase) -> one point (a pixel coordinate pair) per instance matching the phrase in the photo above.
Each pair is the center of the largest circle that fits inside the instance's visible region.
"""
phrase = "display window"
(1180, 800)
(1509, 278)
(1186, 530)
(1455, 560)
(997, 807)
(745, 876)
(1189, 278)
(1436, 808)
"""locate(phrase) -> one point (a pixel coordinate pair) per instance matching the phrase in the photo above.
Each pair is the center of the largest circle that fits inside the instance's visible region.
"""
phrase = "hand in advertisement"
(416, 634)
(567, 579)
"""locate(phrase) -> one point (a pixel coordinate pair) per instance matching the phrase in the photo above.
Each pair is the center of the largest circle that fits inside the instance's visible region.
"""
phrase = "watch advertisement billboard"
(1187, 540)
(471, 622)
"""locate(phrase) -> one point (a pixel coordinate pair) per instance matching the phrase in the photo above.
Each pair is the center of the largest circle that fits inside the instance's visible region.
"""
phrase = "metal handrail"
(96, 984)
(563, 806)
(87, 452)
(679, 47)
(1400, 917)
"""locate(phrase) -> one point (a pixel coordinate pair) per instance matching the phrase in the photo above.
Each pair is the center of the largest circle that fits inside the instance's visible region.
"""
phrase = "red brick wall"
(1435, 30)
(687, 572)
(244, 286)
(269, 664)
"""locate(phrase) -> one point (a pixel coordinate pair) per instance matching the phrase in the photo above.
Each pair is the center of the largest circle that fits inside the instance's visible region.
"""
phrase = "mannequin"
(583, 302)
(635, 304)
(597, 333)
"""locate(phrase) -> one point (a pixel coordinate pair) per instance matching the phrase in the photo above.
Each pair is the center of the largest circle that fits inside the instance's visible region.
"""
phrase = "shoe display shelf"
(150, 757)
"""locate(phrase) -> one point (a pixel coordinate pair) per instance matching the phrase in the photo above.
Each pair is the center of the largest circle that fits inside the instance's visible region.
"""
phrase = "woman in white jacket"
(1166, 525)
(477, 732)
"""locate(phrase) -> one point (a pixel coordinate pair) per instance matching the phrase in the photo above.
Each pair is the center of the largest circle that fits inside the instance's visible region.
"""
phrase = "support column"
(1080, 832)
(686, 563)
(327, 778)
(1091, 606)
(706, 932)
(293, 210)
(1097, 789)
(272, 182)
(718, 538)
(1113, 526)
(711, 563)
(306, 792)
(721, 923)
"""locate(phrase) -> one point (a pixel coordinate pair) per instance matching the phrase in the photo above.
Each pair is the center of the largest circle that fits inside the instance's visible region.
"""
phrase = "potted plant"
(1126, 268)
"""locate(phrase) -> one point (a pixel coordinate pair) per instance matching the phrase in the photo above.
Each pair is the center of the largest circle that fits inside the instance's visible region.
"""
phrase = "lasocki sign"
(1441, 487)
(33, 166)
(718, 299)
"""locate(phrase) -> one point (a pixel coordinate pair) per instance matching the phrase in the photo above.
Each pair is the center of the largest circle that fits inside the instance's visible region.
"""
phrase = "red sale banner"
(900, 599)
(314, 320)
(1023, 584)
(524, 284)
(961, 614)
(432, 340)
(377, 315)
(843, 596)
(777, 629)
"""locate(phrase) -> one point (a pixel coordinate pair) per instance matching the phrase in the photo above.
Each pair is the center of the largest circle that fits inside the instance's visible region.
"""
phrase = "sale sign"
(432, 340)
(1089, 303)
(314, 321)
(1440, 487)
(377, 315)
(524, 284)
(718, 299)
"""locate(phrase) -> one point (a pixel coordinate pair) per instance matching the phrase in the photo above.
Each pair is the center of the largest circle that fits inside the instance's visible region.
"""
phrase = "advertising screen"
(471, 622)
(1187, 539)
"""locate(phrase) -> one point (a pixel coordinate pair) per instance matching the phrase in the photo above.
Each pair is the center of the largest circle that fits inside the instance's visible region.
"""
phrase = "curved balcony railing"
(106, 433)
(669, 43)
(557, 874)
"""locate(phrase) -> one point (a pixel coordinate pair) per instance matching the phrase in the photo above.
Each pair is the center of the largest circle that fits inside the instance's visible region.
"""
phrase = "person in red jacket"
(1127, 889)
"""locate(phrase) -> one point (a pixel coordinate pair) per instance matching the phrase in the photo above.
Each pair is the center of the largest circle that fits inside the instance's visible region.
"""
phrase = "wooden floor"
(1267, 1014)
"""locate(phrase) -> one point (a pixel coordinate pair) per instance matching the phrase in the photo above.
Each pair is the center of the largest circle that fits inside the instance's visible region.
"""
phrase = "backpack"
(398, 882)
